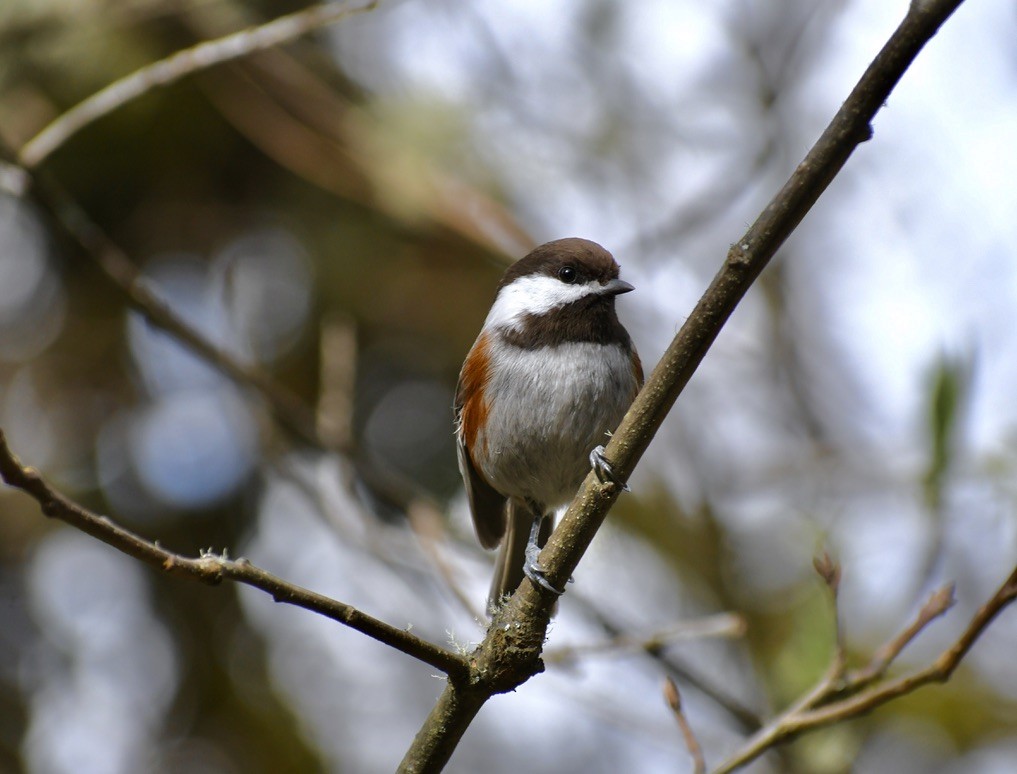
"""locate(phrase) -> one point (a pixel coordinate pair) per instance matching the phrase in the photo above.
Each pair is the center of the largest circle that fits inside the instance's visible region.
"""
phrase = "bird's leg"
(532, 567)
(605, 473)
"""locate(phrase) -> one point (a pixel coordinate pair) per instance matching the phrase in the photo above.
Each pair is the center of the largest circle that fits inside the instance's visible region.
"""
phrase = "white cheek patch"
(534, 294)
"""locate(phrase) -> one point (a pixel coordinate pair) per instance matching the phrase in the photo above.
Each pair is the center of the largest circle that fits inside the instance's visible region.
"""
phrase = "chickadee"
(551, 374)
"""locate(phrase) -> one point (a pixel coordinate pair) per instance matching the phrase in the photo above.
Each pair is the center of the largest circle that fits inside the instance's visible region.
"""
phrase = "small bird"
(549, 377)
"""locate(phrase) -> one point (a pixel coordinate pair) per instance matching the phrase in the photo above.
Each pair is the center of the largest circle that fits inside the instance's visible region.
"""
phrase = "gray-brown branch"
(213, 569)
(510, 653)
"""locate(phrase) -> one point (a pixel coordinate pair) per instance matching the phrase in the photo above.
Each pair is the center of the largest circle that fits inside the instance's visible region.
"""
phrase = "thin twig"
(181, 64)
(821, 707)
(674, 701)
(213, 568)
(720, 625)
(745, 718)
(941, 601)
(830, 571)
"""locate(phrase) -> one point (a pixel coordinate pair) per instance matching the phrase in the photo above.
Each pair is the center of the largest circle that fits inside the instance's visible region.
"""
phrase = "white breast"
(547, 409)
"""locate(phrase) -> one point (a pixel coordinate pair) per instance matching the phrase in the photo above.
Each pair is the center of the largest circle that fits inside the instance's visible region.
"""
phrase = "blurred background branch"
(290, 412)
(180, 65)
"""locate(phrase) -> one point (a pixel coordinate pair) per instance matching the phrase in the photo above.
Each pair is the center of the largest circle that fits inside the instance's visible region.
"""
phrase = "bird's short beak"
(615, 287)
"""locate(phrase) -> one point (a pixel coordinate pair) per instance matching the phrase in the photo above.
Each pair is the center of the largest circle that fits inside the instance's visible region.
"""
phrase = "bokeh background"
(337, 212)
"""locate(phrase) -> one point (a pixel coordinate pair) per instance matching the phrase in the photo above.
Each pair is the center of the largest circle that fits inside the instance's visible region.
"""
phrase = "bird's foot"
(603, 469)
(532, 567)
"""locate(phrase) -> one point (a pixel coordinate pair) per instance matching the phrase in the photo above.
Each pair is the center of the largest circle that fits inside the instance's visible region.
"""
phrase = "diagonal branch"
(745, 261)
(510, 654)
(180, 65)
(213, 569)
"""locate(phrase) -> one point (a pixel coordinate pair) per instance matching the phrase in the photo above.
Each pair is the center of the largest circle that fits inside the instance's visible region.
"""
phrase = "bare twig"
(674, 701)
(213, 569)
(830, 571)
(832, 701)
(744, 717)
(934, 607)
(720, 625)
(510, 653)
(181, 64)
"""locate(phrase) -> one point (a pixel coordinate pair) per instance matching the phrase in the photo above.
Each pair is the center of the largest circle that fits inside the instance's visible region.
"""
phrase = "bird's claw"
(535, 573)
(603, 469)
(532, 568)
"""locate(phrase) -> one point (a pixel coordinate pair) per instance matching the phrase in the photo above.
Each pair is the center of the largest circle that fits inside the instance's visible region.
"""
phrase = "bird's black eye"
(567, 274)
